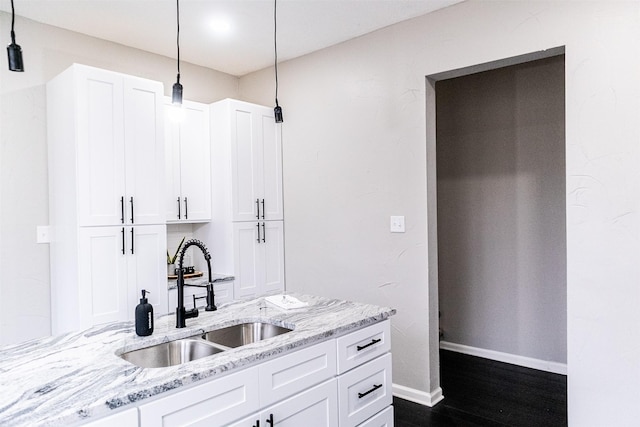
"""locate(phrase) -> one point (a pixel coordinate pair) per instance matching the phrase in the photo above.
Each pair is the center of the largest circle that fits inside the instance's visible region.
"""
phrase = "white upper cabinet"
(144, 150)
(115, 138)
(188, 164)
(255, 149)
(246, 232)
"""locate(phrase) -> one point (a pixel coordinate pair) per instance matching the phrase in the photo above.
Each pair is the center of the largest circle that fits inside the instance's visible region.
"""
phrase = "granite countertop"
(69, 378)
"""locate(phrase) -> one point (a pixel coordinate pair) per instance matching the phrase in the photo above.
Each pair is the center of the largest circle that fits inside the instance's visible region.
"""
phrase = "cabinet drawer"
(214, 403)
(365, 391)
(382, 419)
(363, 345)
(292, 373)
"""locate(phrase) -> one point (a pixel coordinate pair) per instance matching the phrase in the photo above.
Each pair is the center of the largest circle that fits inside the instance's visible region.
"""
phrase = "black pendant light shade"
(14, 51)
(277, 111)
(176, 97)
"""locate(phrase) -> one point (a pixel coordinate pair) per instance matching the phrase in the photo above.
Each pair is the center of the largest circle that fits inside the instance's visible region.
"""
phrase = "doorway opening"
(497, 203)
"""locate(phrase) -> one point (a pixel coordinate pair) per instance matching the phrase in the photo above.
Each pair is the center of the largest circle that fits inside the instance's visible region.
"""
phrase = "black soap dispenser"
(144, 316)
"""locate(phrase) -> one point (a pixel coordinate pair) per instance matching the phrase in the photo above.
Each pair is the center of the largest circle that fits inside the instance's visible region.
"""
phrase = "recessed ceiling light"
(220, 25)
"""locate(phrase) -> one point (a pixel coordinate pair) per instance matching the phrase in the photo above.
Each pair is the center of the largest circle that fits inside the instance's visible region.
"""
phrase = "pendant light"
(176, 99)
(277, 111)
(14, 51)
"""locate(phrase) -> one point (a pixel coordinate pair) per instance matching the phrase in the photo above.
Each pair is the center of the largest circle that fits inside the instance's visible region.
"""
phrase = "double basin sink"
(188, 349)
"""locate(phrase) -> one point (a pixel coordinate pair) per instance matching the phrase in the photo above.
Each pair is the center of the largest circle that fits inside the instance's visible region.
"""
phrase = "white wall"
(501, 210)
(354, 147)
(24, 282)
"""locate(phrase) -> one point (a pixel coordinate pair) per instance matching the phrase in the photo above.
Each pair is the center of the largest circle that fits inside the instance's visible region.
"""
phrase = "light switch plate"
(42, 234)
(397, 224)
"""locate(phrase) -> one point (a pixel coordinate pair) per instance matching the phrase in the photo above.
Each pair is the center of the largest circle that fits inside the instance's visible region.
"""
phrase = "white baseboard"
(418, 396)
(527, 362)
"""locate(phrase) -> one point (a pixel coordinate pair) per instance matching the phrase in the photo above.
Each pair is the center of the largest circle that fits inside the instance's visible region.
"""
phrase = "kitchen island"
(79, 377)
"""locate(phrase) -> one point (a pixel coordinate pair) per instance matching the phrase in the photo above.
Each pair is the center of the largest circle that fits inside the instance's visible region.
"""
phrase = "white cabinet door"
(256, 151)
(247, 259)
(103, 295)
(127, 418)
(100, 145)
(188, 167)
(258, 257)
(173, 198)
(213, 403)
(316, 407)
(144, 152)
(244, 163)
(146, 253)
(272, 208)
(272, 251)
(195, 152)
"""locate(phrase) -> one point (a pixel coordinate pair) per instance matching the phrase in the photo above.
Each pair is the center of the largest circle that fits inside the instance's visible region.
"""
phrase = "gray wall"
(357, 149)
(501, 210)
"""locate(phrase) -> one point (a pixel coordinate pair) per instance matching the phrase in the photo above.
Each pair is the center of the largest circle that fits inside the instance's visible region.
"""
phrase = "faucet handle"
(196, 298)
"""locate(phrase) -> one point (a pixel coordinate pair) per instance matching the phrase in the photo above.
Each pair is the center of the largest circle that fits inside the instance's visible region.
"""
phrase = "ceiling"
(242, 45)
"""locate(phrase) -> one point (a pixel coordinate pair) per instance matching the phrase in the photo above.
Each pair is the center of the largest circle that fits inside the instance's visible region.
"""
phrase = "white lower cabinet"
(365, 391)
(302, 388)
(213, 403)
(382, 419)
(316, 407)
(113, 265)
(127, 418)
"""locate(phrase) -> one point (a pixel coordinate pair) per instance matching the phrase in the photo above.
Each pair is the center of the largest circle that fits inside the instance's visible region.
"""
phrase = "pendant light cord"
(275, 43)
(13, 21)
(178, 35)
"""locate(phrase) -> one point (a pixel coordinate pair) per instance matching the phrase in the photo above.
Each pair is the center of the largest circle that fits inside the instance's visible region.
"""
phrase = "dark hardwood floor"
(482, 392)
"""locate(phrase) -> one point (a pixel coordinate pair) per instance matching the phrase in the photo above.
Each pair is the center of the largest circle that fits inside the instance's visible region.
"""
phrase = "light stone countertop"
(76, 377)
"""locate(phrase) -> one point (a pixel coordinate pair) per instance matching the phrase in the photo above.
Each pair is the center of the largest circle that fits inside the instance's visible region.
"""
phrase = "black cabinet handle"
(186, 209)
(257, 424)
(374, 388)
(362, 347)
(123, 241)
(258, 226)
(262, 208)
(270, 420)
(131, 201)
(258, 208)
(264, 233)
(132, 240)
(122, 210)
(178, 207)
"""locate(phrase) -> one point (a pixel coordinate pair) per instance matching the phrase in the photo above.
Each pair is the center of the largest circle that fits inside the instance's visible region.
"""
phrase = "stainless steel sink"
(187, 349)
(171, 353)
(244, 333)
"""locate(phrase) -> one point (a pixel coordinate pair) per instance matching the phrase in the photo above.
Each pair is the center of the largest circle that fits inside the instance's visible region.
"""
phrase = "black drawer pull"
(373, 342)
(178, 207)
(375, 387)
(258, 208)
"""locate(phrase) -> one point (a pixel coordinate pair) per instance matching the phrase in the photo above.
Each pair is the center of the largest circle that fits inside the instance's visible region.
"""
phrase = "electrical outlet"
(397, 224)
